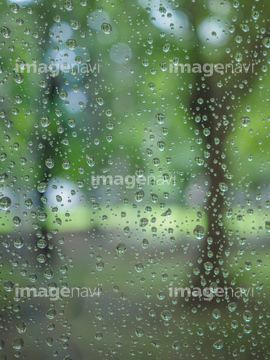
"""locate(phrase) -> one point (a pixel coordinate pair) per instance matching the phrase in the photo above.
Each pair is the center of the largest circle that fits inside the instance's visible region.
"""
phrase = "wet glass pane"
(134, 179)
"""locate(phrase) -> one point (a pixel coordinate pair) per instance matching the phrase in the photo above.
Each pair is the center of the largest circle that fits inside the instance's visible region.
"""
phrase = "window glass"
(134, 179)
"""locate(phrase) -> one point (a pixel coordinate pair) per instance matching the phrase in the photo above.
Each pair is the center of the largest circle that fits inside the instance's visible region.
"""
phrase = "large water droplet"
(199, 232)
(139, 267)
(232, 306)
(90, 160)
(5, 31)
(71, 44)
(218, 344)
(5, 203)
(106, 28)
(121, 248)
(245, 120)
(18, 78)
(18, 242)
(21, 327)
(223, 186)
(45, 121)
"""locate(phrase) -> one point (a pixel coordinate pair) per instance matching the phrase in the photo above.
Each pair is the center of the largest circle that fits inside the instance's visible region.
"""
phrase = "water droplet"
(100, 101)
(17, 343)
(232, 306)
(247, 329)
(71, 44)
(168, 212)
(41, 258)
(45, 121)
(66, 164)
(266, 42)
(255, 15)
(267, 226)
(14, 8)
(3, 177)
(199, 232)
(248, 265)
(208, 266)
(176, 345)
(8, 286)
(49, 341)
(49, 163)
(51, 314)
(223, 186)
(5, 203)
(166, 315)
(98, 335)
(140, 172)
(41, 244)
(71, 123)
(18, 242)
(3, 157)
(199, 160)
(161, 295)
(160, 118)
(166, 47)
(5, 31)
(121, 248)
(68, 5)
(161, 145)
(18, 78)
(106, 28)
(139, 195)
(247, 315)
(90, 160)
(42, 187)
(234, 324)
(100, 266)
(139, 331)
(245, 120)
(218, 344)
(145, 243)
(216, 314)
(200, 332)
(139, 267)
(21, 327)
